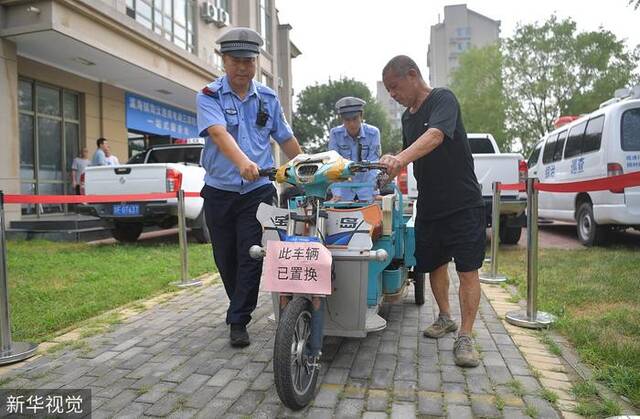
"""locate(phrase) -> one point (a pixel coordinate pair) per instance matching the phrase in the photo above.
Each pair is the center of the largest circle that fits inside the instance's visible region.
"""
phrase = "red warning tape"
(513, 187)
(613, 182)
(609, 183)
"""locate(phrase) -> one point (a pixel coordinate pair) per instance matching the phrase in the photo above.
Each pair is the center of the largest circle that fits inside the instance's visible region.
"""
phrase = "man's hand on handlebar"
(269, 172)
(249, 170)
(393, 165)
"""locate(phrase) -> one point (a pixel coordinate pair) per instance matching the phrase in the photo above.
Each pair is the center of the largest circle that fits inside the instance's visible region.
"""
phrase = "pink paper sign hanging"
(297, 267)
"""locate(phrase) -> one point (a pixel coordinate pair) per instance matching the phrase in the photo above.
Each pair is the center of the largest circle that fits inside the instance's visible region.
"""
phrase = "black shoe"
(238, 336)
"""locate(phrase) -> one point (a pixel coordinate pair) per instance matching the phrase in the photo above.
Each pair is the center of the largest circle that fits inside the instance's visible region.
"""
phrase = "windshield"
(138, 158)
(187, 155)
(481, 146)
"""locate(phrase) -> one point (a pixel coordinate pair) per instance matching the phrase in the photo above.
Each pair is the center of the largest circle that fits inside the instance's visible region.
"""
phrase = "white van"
(603, 143)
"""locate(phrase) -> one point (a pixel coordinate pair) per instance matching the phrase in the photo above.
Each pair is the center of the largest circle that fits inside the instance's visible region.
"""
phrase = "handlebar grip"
(270, 173)
(364, 166)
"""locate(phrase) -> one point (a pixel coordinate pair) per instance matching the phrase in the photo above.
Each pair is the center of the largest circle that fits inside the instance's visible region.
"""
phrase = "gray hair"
(401, 64)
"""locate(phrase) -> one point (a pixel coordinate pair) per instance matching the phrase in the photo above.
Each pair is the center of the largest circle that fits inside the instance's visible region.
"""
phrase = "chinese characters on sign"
(577, 166)
(63, 403)
(633, 161)
(147, 115)
(549, 171)
(297, 267)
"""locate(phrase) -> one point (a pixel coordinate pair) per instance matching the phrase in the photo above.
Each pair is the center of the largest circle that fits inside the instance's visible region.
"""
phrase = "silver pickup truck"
(159, 169)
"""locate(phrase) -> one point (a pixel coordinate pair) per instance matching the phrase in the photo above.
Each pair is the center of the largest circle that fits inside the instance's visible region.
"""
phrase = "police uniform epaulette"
(206, 90)
(262, 89)
(370, 128)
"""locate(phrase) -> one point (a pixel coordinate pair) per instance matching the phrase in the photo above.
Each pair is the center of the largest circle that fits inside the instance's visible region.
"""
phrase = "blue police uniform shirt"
(347, 147)
(221, 106)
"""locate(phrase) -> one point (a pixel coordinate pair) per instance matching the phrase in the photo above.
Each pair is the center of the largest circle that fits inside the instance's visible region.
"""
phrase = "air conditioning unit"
(211, 13)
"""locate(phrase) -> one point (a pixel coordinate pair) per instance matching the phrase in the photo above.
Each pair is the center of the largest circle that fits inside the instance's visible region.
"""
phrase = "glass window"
(630, 130)
(49, 149)
(266, 23)
(143, 9)
(48, 100)
(549, 149)
(51, 189)
(25, 96)
(535, 155)
(557, 155)
(26, 147)
(180, 12)
(28, 189)
(481, 146)
(173, 155)
(70, 106)
(71, 143)
(49, 141)
(171, 19)
(574, 140)
(593, 134)
(140, 156)
(267, 80)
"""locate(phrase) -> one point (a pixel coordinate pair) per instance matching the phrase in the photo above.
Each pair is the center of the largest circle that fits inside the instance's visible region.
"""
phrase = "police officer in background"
(237, 115)
(357, 141)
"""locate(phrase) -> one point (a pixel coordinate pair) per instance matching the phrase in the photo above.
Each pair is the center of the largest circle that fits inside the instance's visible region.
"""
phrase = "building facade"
(126, 70)
(393, 109)
(461, 29)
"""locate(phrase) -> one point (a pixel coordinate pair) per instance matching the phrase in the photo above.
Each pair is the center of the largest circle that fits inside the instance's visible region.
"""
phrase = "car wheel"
(589, 232)
(510, 235)
(201, 233)
(126, 232)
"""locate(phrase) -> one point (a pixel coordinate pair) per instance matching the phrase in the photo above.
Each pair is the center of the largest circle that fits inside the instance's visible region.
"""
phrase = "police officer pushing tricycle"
(238, 115)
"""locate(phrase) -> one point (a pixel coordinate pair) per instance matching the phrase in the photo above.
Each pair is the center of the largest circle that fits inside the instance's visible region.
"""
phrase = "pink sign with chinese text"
(297, 267)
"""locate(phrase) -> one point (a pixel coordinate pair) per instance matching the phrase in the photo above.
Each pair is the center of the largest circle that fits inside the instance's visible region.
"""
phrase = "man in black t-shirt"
(450, 222)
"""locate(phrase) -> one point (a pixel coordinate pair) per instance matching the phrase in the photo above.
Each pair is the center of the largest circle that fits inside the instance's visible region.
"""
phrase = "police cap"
(349, 106)
(240, 42)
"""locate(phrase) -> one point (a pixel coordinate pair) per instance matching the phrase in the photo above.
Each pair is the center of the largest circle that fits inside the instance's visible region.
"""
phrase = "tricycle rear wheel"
(295, 373)
(418, 284)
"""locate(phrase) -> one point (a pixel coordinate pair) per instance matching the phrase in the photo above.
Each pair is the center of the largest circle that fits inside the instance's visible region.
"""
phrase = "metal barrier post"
(182, 236)
(493, 277)
(9, 351)
(531, 318)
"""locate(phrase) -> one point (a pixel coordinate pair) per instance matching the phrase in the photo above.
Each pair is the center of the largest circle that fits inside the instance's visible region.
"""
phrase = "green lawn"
(596, 295)
(53, 286)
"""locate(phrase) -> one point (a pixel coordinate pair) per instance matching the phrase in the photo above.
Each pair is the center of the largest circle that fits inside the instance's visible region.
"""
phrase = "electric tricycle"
(329, 265)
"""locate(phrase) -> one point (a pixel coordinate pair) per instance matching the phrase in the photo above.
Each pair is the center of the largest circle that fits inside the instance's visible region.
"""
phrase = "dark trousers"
(231, 219)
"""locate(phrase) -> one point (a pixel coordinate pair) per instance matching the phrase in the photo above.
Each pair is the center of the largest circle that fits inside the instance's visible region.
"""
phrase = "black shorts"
(460, 236)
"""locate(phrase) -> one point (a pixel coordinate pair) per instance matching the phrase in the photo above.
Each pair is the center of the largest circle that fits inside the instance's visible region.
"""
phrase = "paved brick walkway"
(174, 360)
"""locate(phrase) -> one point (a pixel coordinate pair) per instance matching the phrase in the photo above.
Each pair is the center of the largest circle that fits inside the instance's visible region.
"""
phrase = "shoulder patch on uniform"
(209, 91)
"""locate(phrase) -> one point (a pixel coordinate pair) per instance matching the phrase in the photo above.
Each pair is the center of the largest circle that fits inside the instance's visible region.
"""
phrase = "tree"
(477, 83)
(316, 115)
(550, 70)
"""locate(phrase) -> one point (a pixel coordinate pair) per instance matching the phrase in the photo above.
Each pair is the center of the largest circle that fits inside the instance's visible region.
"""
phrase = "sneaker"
(464, 354)
(440, 327)
(238, 336)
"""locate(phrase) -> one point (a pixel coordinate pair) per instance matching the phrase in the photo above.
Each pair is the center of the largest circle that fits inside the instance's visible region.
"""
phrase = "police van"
(603, 143)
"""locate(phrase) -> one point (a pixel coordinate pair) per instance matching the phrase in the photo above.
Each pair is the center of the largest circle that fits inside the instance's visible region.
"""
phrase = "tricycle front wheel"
(418, 284)
(295, 371)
